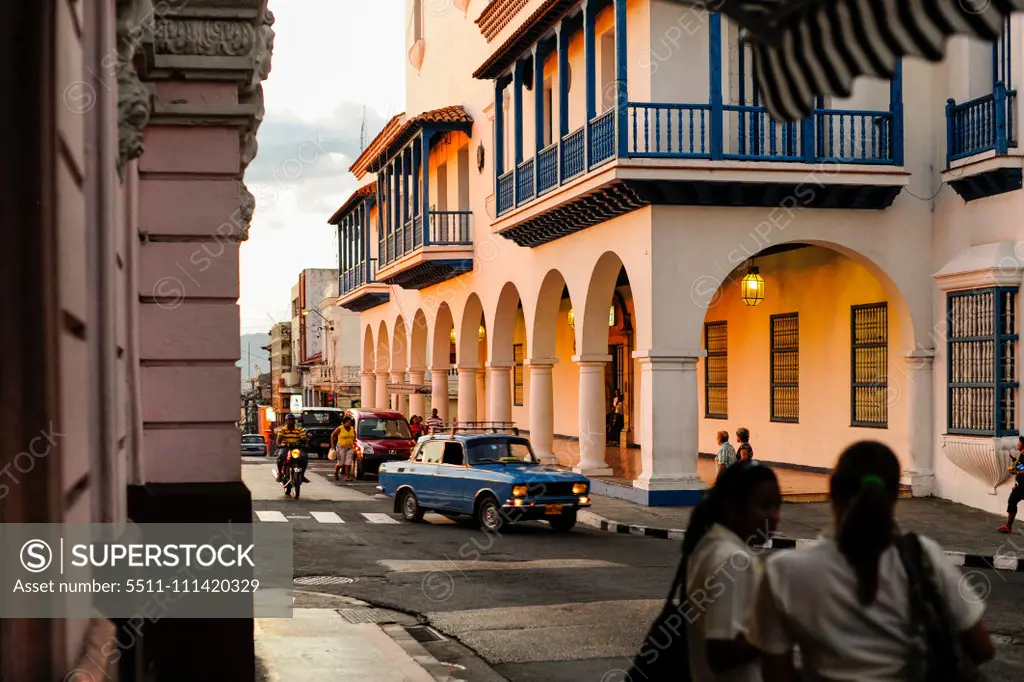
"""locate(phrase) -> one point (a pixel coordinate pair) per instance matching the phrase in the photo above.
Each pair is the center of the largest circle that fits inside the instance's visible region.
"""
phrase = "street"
(526, 604)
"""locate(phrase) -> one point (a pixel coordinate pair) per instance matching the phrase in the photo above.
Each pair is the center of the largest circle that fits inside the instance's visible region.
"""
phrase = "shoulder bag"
(665, 654)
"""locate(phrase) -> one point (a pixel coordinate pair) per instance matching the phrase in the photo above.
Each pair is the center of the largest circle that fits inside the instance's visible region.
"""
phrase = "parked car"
(381, 436)
(319, 423)
(253, 444)
(493, 477)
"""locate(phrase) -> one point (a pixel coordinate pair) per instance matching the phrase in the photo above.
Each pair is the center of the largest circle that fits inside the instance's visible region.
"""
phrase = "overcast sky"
(331, 59)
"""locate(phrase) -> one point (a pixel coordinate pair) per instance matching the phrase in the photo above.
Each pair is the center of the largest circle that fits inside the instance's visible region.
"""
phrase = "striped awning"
(804, 49)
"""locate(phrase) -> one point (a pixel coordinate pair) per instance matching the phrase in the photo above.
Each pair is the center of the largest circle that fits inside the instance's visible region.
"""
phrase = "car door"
(455, 485)
(421, 472)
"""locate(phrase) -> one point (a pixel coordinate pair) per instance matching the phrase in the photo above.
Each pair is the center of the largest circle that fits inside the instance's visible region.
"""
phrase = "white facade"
(669, 269)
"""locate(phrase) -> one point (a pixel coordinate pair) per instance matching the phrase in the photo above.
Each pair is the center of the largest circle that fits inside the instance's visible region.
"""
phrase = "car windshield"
(379, 427)
(252, 439)
(321, 418)
(500, 450)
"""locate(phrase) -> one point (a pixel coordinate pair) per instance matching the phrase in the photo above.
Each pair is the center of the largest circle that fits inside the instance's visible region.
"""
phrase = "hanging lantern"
(451, 336)
(572, 319)
(611, 316)
(481, 333)
(752, 288)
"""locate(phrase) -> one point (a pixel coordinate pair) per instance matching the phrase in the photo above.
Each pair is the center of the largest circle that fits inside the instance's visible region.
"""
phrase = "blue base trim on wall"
(647, 498)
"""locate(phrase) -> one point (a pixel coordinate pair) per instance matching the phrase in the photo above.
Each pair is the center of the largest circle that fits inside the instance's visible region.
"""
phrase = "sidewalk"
(319, 644)
(964, 532)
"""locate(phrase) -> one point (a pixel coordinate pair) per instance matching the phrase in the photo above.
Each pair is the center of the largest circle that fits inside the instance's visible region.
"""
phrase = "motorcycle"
(293, 470)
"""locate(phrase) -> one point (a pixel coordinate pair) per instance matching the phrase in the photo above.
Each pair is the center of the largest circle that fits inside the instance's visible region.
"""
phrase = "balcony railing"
(447, 228)
(982, 124)
(702, 131)
(364, 272)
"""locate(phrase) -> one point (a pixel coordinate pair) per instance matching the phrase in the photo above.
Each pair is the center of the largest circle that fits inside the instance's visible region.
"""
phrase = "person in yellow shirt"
(343, 439)
(291, 435)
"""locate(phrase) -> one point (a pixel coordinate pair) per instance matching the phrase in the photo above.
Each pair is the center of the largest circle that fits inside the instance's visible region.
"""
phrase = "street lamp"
(752, 287)
(330, 325)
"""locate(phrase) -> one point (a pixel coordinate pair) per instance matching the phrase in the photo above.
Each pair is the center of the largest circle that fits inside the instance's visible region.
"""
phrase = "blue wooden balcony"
(698, 131)
(413, 259)
(359, 289)
(984, 127)
(981, 125)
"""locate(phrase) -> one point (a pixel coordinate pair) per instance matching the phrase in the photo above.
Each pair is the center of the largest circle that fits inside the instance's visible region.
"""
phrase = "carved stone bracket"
(986, 459)
(134, 102)
(215, 40)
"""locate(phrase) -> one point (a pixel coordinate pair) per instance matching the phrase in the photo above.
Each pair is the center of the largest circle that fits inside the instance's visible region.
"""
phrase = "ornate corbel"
(134, 102)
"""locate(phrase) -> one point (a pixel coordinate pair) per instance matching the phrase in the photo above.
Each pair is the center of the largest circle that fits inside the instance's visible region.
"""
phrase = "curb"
(1009, 563)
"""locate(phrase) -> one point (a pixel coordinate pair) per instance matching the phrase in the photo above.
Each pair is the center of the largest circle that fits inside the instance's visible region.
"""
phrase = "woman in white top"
(845, 601)
(723, 571)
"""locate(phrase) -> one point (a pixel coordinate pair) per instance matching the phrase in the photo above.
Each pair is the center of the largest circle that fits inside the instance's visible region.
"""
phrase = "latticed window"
(517, 377)
(716, 376)
(982, 362)
(870, 359)
(785, 367)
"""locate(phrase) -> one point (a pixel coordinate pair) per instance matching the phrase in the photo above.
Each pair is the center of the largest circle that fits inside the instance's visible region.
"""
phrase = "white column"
(481, 394)
(542, 409)
(668, 421)
(439, 392)
(592, 415)
(499, 391)
(915, 380)
(383, 399)
(400, 401)
(417, 401)
(467, 394)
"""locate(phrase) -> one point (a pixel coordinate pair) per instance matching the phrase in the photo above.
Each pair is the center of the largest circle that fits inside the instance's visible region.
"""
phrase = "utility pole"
(362, 131)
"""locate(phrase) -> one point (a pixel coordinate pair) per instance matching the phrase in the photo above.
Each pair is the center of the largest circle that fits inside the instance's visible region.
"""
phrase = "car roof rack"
(457, 427)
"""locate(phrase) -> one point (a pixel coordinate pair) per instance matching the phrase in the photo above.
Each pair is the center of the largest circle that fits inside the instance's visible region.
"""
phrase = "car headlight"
(519, 491)
(366, 449)
(579, 489)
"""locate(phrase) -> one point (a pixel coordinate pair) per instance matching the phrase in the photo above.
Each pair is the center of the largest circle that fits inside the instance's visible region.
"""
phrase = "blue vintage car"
(494, 477)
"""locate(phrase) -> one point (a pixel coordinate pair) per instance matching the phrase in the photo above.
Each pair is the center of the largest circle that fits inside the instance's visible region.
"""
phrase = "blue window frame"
(869, 358)
(785, 368)
(982, 362)
(716, 370)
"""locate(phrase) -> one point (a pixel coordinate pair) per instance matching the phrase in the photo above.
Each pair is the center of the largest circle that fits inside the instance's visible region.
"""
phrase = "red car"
(381, 436)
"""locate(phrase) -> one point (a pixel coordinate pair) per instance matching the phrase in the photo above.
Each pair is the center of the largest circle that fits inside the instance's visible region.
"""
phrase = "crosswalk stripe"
(271, 516)
(327, 517)
(376, 517)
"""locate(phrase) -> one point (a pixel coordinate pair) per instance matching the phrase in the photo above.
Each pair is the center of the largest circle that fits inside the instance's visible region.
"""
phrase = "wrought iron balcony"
(414, 259)
(359, 288)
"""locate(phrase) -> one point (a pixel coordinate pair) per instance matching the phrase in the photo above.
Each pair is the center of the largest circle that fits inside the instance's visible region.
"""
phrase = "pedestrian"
(723, 571)
(435, 422)
(343, 439)
(745, 451)
(846, 601)
(416, 426)
(616, 420)
(1017, 493)
(726, 456)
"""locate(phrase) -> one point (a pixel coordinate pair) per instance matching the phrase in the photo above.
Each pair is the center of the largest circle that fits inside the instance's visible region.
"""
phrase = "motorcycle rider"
(289, 436)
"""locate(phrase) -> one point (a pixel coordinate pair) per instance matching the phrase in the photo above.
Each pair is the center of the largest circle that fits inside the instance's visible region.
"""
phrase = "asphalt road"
(528, 603)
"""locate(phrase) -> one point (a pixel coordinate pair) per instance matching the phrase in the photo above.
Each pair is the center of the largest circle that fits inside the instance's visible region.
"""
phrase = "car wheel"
(488, 514)
(563, 523)
(358, 466)
(411, 509)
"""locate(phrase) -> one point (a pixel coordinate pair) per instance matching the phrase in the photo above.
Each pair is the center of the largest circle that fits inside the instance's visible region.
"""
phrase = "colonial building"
(128, 129)
(586, 197)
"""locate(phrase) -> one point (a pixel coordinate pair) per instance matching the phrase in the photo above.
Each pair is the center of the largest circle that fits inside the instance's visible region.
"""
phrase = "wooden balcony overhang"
(533, 29)
(398, 133)
(365, 297)
(985, 175)
(366, 193)
(623, 186)
(427, 266)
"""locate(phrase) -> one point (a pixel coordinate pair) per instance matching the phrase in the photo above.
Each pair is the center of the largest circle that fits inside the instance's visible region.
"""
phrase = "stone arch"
(542, 331)
(503, 329)
(440, 347)
(592, 329)
(383, 360)
(418, 341)
(711, 287)
(399, 346)
(368, 350)
(468, 332)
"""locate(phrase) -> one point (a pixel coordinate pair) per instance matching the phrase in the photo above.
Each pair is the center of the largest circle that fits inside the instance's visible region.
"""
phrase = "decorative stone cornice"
(205, 37)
